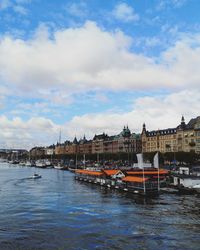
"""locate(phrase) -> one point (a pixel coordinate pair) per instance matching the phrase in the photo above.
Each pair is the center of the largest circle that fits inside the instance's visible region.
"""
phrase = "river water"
(57, 212)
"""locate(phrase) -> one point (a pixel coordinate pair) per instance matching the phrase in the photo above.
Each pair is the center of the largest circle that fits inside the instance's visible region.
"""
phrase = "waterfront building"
(184, 137)
(98, 143)
(37, 152)
(67, 148)
(60, 149)
(125, 142)
(73, 148)
(85, 146)
(50, 150)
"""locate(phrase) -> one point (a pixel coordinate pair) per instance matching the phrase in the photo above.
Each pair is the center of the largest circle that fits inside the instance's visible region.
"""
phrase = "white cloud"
(17, 6)
(77, 9)
(147, 42)
(89, 58)
(157, 112)
(17, 133)
(125, 13)
(4, 4)
(163, 4)
(20, 9)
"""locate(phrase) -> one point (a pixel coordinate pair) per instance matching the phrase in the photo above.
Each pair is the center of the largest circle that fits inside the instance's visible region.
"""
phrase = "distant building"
(37, 152)
(50, 150)
(125, 142)
(98, 143)
(85, 146)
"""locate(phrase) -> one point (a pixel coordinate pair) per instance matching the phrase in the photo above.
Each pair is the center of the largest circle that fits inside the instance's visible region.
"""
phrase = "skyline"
(90, 67)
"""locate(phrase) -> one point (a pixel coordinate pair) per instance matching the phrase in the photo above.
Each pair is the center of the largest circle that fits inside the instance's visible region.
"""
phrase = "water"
(57, 212)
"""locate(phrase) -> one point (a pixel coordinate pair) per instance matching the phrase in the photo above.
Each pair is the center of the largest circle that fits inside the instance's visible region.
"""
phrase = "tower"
(182, 122)
(144, 129)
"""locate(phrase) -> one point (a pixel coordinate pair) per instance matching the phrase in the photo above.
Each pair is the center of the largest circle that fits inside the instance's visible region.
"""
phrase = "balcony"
(192, 144)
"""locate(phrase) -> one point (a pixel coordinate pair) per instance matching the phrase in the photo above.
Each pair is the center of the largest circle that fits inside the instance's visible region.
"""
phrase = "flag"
(156, 161)
(140, 160)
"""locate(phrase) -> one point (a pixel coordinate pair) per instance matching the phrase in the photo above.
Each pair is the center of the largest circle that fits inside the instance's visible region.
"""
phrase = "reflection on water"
(57, 212)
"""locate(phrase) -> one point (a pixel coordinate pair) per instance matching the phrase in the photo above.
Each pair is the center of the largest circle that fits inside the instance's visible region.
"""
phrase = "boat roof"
(134, 179)
(152, 172)
(111, 171)
(89, 172)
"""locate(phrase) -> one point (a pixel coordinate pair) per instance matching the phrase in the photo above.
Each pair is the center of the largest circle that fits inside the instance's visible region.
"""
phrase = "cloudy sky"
(93, 66)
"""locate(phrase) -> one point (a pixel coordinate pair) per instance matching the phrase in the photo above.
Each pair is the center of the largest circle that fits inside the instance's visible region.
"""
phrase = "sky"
(93, 66)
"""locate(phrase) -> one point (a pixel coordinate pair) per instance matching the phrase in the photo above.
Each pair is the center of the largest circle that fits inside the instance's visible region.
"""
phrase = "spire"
(59, 138)
(144, 128)
(84, 139)
(75, 140)
(182, 122)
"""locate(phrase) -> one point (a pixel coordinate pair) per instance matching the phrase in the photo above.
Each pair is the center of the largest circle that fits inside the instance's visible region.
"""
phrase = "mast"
(158, 178)
(60, 137)
(144, 184)
(84, 160)
(76, 160)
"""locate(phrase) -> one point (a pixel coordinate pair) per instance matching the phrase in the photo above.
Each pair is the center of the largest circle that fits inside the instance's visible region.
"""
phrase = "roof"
(111, 172)
(88, 172)
(126, 132)
(134, 179)
(100, 137)
(155, 172)
(167, 131)
(135, 136)
(192, 122)
(75, 140)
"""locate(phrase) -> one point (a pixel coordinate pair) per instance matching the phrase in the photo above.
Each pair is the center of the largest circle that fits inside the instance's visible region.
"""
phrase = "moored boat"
(60, 166)
(185, 181)
(139, 182)
(40, 164)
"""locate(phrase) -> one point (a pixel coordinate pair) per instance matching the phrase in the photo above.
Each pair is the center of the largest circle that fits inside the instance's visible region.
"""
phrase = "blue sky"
(92, 66)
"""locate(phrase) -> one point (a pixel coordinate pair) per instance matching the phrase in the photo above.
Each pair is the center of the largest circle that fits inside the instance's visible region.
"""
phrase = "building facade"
(125, 142)
(183, 138)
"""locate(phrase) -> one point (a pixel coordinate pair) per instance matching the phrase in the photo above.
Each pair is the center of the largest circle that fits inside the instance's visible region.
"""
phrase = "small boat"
(36, 176)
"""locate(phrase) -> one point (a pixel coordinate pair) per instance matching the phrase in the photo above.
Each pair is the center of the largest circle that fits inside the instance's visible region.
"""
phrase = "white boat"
(28, 164)
(57, 166)
(48, 163)
(36, 176)
(22, 163)
(60, 167)
(40, 164)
